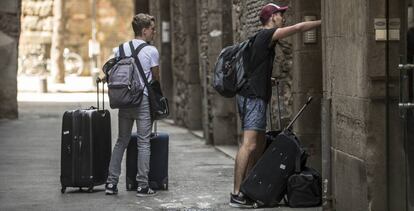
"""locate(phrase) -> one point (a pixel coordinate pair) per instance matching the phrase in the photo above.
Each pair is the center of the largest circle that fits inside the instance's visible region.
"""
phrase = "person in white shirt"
(144, 29)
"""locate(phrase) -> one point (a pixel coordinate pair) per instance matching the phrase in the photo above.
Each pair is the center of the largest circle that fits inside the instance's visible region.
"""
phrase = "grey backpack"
(124, 87)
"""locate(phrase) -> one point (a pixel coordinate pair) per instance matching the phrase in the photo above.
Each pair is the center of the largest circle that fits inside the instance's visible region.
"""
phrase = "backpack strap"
(134, 52)
(121, 50)
(248, 54)
(137, 62)
(140, 69)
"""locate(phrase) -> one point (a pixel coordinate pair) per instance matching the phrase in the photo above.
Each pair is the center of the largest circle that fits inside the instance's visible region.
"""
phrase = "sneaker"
(143, 192)
(111, 189)
(240, 201)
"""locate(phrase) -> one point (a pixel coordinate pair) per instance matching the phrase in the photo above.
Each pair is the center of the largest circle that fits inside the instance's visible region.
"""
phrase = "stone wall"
(345, 83)
(355, 78)
(114, 19)
(307, 81)
(180, 89)
(186, 88)
(113, 26)
(160, 9)
(36, 35)
(9, 40)
(214, 33)
(204, 68)
(78, 29)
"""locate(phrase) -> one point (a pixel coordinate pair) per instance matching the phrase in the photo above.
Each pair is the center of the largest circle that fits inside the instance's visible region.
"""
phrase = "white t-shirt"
(148, 56)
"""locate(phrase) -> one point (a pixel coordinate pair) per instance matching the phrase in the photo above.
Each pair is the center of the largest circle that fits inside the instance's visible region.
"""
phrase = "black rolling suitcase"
(266, 183)
(86, 147)
(158, 174)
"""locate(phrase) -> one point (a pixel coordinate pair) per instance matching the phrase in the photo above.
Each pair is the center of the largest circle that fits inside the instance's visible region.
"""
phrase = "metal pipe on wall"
(387, 102)
(326, 153)
(326, 116)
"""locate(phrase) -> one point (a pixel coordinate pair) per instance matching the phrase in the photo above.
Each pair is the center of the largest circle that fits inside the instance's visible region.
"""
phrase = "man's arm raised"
(283, 32)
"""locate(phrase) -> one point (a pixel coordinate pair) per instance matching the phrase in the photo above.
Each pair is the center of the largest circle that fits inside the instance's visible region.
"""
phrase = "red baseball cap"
(270, 9)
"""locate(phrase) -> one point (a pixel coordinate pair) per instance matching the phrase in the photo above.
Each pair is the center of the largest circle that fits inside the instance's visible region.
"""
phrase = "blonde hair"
(141, 21)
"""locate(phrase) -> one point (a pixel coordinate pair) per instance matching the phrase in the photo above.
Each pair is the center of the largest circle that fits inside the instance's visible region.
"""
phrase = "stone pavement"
(200, 176)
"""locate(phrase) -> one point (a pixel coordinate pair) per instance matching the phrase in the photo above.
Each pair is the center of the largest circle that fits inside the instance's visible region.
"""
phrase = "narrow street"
(200, 175)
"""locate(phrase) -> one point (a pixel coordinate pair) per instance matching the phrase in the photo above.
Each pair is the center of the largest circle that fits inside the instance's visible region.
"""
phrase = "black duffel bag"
(159, 103)
(304, 189)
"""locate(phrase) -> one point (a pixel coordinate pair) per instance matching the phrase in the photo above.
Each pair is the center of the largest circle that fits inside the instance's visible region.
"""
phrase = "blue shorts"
(252, 113)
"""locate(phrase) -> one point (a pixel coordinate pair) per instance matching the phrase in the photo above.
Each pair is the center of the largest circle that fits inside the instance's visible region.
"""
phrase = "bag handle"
(155, 127)
(299, 113)
(278, 106)
(100, 80)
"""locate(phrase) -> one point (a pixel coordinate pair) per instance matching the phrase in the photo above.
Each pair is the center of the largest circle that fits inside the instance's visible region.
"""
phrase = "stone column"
(347, 86)
(164, 40)
(9, 41)
(186, 89)
(224, 110)
(56, 51)
(215, 32)
(160, 9)
(307, 80)
(204, 66)
(355, 78)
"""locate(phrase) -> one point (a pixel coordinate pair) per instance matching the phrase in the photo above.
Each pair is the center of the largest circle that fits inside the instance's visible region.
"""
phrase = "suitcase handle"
(155, 127)
(274, 79)
(278, 105)
(299, 113)
(100, 80)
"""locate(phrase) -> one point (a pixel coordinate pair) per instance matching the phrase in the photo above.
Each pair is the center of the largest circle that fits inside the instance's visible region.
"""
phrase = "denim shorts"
(252, 113)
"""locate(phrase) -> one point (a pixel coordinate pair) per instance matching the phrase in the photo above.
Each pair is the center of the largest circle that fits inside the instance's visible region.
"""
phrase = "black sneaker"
(144, 192)
(240, 201)
(110, 189)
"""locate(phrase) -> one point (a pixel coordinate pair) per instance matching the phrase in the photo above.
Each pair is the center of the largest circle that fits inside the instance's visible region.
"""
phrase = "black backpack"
(230, 70)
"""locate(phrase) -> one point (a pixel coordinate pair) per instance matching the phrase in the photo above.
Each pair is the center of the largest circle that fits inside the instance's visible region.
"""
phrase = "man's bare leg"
(257, 153)
(248, 146)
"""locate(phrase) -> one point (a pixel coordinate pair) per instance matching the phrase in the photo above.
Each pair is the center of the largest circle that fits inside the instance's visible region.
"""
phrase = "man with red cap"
(252, 100)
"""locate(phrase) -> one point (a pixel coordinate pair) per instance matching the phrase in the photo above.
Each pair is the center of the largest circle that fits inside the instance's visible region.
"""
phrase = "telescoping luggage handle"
(298, 158)
(278, 106)
(100, 80)
(155, 128)
(299, 113)
(279, 111)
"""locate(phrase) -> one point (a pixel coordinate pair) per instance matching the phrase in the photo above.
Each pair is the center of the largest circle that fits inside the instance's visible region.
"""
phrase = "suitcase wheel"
(63, 189)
